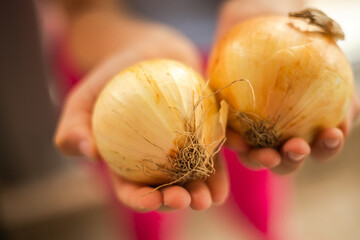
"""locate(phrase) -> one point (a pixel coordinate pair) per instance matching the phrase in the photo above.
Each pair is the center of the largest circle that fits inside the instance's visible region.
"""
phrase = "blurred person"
(105, 37)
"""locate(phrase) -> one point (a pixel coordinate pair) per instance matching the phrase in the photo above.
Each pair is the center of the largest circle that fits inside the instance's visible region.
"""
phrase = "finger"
(294, 153)
(263, 157)
(236, 142)
(175, 197)
(200, 195)
(218, 182)
(327, 144)
(137, 196)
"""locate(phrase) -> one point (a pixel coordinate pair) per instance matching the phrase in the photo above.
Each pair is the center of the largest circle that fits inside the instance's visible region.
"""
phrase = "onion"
(297, 80)
(158, 122)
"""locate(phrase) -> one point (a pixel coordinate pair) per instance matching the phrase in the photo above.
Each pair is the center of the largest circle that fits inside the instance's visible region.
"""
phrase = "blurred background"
(44, 195)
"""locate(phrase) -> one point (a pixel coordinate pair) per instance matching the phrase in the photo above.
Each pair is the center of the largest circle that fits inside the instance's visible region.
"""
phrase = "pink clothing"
(252, 192)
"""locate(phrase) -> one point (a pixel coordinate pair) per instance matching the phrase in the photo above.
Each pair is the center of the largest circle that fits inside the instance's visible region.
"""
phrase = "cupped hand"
(199, 195)
(294, 152)
(74, 136)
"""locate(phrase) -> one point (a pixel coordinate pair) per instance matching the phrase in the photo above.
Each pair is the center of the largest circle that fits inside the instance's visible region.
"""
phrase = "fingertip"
(332, 138)
(63, 143)
(296, 149)
(200, 195)
(328, 143)
(219, 197)
(176, 197)
(68, 141)
(267, 157)
(148, 199)
(294, 152)
(77, 141)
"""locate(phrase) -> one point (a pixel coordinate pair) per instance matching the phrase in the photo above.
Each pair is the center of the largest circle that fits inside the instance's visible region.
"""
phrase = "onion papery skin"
(301, 82)
(141, 113)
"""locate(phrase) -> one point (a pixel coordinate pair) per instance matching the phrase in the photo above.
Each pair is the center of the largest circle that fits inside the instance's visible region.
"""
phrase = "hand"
(74, 137)
(199, 195)
(292, 154)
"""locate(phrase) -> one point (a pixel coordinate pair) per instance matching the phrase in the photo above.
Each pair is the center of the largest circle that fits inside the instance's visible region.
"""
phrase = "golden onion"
(158, 122)
(296, 80)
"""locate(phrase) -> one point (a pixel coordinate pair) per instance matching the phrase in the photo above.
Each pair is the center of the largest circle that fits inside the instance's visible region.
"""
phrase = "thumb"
(73, 136)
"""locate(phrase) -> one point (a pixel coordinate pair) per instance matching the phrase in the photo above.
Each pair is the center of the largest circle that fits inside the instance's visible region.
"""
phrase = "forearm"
(73, 8)
(94, 30)
(233, 12)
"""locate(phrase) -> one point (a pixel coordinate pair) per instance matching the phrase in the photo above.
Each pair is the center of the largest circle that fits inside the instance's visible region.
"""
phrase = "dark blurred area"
(42, 194)
(28, 116)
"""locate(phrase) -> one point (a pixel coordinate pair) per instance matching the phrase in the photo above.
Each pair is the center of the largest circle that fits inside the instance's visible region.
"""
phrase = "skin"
(74, 138)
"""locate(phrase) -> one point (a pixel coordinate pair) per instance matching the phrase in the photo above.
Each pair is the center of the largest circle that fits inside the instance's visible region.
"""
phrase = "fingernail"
(84, 147)
(295, 156)
(332, 143)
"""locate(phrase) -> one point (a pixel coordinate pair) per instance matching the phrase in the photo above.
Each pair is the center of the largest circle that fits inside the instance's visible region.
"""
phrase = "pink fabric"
(251, 192)
(68, 75)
